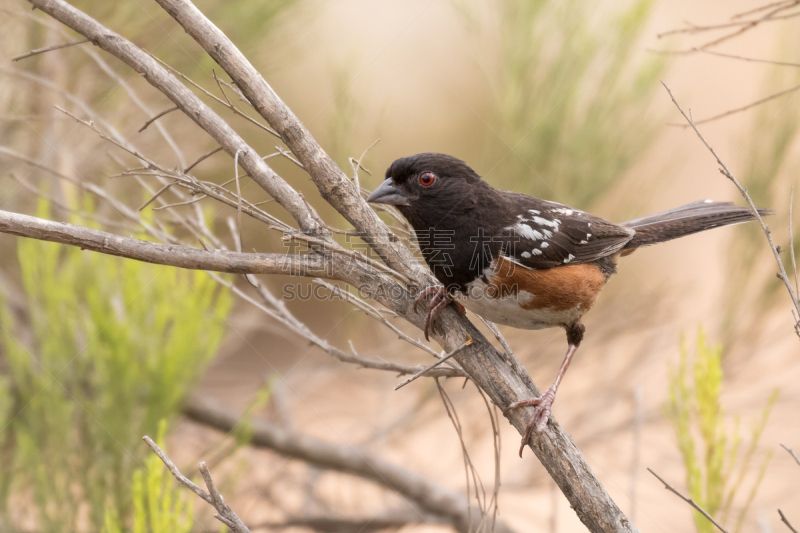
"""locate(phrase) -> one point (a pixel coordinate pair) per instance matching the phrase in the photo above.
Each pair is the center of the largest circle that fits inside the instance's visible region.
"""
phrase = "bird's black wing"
(547, 234)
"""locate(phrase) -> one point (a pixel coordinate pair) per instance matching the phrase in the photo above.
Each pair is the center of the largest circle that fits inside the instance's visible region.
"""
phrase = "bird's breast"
(516, 296)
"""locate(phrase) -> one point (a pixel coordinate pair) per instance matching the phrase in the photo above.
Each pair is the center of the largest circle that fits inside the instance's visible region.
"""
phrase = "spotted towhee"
(520, 261)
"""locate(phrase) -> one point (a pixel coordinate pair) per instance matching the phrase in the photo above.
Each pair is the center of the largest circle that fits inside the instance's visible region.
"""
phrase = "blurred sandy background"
(407, 73)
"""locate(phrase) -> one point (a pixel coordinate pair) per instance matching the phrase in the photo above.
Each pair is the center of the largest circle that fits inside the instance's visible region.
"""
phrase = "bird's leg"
(544, 403)
(439, 301)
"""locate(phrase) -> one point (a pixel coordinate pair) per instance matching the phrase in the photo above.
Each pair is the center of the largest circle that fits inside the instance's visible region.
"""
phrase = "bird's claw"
(439, 301)
(543, 406)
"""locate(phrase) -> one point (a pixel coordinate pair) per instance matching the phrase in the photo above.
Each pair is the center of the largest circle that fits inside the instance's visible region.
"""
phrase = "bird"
(521, 261)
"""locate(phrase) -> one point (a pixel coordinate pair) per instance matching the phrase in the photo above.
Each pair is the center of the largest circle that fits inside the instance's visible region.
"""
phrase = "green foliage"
(570, 99)
(160, 505)
(715, 470)
(110, 347)
(243, 432)
(246, 22)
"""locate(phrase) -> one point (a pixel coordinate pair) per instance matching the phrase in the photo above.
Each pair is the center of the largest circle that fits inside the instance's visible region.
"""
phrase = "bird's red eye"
(426, 179)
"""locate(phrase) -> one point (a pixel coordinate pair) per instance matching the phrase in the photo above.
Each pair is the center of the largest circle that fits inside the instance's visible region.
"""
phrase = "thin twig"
(202, 158)
(372, 312)
(638, 419)
(183, 480)
(49, 48)
(791, 452)
(238, 198)
(744, 26)
(497, 335)
(212, 497)
(216, 98)
(179, 204)
(434, 365)
(786, 521)
(166, 111)
(743, 190)
(750, 59)
(355, 164)
(791, 240)
(763, 8)
(153, 198)
(740, 109)
(688, 500)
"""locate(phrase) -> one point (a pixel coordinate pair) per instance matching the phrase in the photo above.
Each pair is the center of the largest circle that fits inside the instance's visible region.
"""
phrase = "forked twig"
(212, 497)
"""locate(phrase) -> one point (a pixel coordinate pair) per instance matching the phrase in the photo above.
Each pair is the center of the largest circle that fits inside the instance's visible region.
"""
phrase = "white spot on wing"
(524, 230)
(584, 242)
(544, 222)
(562, 211)
(525, 255)
(536, 251)
(569, 258)
(534, 212)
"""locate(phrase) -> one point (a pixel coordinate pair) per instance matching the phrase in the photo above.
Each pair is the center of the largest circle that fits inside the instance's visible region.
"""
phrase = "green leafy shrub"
(569, 97)
(109, 348)
(715, 467)
(160, 505)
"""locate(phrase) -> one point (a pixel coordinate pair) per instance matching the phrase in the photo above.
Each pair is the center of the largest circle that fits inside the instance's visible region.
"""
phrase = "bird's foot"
(541, 414)
(439, 301)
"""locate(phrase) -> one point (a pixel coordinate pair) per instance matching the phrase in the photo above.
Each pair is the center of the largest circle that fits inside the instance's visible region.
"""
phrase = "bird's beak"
(388, 193)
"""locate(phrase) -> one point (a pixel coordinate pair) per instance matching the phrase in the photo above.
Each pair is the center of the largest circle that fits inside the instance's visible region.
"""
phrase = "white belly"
(508, 310)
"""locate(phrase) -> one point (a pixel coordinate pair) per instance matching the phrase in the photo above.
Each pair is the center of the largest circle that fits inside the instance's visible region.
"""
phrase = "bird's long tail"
(686, 220)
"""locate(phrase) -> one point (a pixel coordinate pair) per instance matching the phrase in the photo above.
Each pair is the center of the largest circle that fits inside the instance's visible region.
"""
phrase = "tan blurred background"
(429, 76)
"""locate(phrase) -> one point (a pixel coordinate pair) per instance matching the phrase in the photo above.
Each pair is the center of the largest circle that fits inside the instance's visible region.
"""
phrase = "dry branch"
(743, 191)
(743, 108)
(163, 254)
(49, 48)
(497, 374)
(212, 497)
(791, 452)
(786, 521)
(348, 459)
(188, 102)
(689, 501)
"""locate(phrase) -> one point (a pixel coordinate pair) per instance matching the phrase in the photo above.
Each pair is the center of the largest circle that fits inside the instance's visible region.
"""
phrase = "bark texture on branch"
(501, 377)
(162, 254)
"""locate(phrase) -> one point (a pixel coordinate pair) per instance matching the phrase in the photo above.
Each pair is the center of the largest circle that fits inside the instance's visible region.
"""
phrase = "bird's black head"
(427, 187)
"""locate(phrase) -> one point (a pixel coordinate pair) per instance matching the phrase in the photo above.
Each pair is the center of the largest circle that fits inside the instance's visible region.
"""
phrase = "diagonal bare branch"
(334, 185)
(689, 501)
